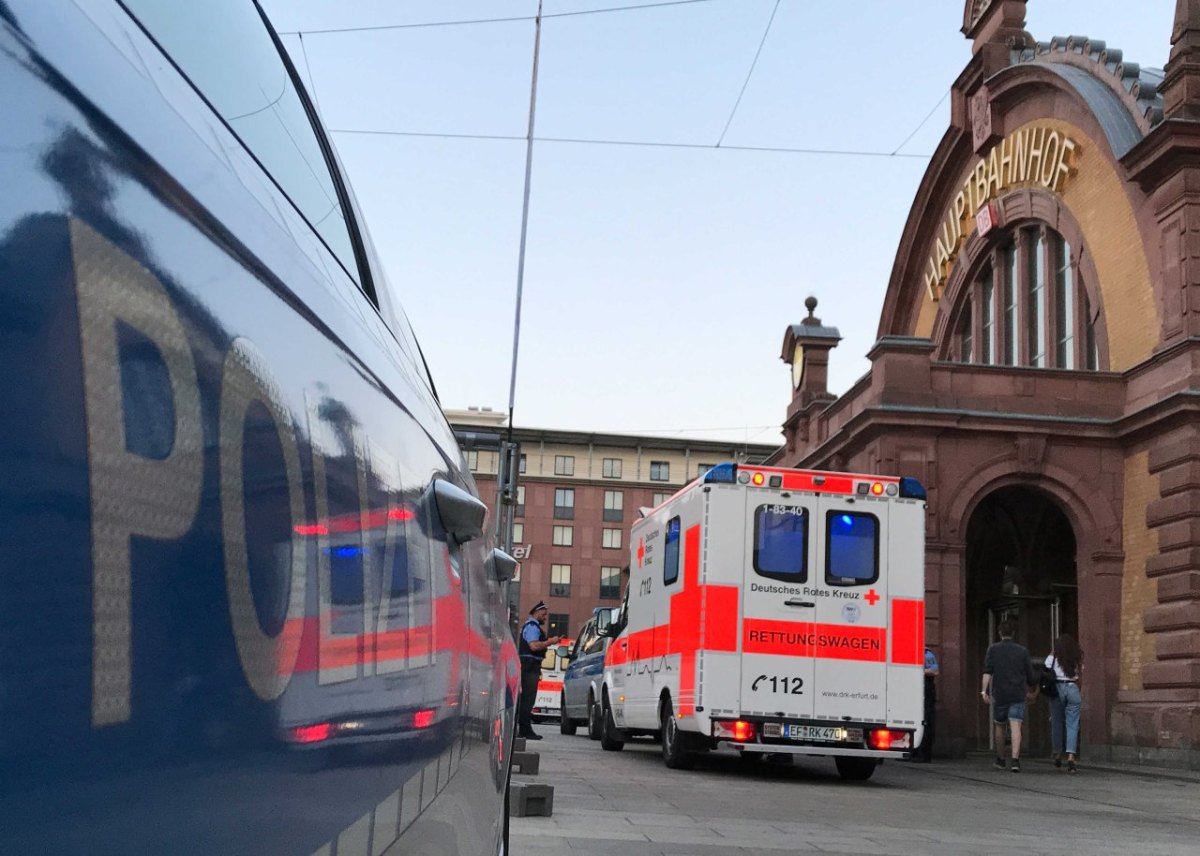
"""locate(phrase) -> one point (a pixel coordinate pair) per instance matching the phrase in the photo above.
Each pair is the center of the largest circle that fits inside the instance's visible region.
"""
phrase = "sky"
(659, 281)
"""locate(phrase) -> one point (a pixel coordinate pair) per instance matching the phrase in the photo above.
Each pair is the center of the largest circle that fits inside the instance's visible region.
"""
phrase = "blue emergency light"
(725, 473)
(910, 488)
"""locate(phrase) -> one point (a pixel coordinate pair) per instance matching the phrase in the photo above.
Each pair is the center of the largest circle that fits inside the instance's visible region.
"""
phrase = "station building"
(578, 494)
(1038, 368)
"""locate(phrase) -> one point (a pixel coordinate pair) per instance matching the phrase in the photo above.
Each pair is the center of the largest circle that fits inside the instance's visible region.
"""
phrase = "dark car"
(248, 602)
(585, 674)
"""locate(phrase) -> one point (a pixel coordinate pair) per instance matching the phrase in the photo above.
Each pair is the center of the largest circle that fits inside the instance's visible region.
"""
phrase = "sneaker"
(1057, 760)
(1071, 768)
(999, 764)
(1016, 766)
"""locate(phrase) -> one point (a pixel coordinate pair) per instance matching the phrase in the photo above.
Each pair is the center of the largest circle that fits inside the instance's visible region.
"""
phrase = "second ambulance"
(774, 611)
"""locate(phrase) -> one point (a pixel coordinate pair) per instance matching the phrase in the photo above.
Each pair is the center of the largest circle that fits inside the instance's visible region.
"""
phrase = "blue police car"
(248, 602)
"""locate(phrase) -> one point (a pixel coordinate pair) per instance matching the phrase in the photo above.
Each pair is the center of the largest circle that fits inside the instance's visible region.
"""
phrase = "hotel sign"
(1032, 157)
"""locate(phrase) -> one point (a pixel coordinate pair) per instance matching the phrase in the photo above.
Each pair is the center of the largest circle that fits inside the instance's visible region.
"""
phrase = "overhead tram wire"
(514, 19)
(928, 116)
(637, 143)
(749, 74)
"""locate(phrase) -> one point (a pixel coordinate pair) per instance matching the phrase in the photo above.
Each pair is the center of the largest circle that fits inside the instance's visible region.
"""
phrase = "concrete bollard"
(526, 763)
(527, 799)
(518, 744)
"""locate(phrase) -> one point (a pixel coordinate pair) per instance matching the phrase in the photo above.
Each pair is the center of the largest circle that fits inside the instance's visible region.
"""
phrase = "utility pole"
(509, 457)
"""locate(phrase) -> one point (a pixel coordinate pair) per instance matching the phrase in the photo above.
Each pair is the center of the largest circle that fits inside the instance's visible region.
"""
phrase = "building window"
(519, 511)
(660, 471)
(1012, 309)
(611, 539)
(658, 499)
(965, 339)
(702, 470)
(564, 503)
(610, 582)
(614, 505)
(1064, 305)
(564, 536)
(560, 581)
(611, 468)
(521, 464)
(1027, 308)
(518, 530)
(1036, 284)
(558, 624)
(564, 465)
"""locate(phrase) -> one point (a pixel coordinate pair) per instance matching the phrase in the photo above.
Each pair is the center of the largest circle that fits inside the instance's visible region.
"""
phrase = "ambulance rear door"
(850, 579)
(778, 603)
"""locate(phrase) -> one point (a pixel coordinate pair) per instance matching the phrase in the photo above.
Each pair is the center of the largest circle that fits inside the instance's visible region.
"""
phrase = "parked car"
(238, 538)
(585, 674)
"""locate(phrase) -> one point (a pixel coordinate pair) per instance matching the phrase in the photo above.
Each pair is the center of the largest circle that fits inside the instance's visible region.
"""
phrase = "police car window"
(671, 552)
(781, 542)
(225, 50)
(851, 548)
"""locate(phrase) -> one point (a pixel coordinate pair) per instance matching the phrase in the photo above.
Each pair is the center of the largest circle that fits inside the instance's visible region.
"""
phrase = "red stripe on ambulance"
(908, 632)
(809, 639)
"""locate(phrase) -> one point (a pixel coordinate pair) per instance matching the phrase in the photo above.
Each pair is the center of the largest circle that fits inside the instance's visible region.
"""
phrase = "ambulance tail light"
(910, 488)
(317, 733)
(889, 738)
(737, 730)
(725, 473)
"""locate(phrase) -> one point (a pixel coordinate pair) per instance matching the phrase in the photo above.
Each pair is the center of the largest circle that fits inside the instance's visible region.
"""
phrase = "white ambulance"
(774, 611)
(550, 684)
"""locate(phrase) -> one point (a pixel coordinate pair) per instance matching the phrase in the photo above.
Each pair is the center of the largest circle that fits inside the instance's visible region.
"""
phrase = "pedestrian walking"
(1007, 682)
(924, 753)
(532, 646)
(1067, 662)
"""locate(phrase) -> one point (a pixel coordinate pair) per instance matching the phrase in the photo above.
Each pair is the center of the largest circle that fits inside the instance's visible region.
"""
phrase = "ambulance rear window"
(671, 552)
(851, 548)
(781, 543)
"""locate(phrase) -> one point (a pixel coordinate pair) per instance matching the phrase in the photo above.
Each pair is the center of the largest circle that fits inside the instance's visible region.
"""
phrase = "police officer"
(532, 646)
(924, 753)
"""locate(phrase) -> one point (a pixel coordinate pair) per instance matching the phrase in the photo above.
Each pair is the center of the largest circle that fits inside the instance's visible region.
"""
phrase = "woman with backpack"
(1066, 661)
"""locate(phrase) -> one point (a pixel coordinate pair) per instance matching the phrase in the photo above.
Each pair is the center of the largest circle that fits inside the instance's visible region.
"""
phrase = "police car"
(248, 604)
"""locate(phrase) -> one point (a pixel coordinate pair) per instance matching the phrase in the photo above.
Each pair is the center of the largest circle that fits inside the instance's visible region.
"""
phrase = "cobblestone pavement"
(630, 803)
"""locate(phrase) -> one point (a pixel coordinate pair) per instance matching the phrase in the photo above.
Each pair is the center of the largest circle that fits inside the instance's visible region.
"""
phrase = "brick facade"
(1114, 453)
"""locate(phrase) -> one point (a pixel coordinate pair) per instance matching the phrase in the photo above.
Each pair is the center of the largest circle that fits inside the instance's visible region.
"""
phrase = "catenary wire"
(640, 143)
(377, 27)
(749, 74)
(928, 116)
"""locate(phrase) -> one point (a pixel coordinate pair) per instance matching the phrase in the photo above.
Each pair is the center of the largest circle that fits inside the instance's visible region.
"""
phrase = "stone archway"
(1020, 563)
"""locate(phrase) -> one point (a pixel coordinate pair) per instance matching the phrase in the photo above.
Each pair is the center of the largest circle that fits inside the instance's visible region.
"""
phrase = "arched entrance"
(1020, 564)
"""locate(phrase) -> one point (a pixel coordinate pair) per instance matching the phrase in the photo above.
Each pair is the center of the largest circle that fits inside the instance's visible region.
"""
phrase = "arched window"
(1027, 307)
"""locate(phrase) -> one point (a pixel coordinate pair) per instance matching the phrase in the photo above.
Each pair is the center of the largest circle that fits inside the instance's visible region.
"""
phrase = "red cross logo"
(641, 553)
(871, 597)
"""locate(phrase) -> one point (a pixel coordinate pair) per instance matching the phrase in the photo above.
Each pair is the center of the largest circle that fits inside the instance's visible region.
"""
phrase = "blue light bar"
(725, 473)
(910, 488)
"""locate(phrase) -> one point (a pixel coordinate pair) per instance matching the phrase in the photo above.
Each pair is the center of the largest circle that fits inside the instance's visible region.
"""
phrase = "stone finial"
(995, 22)
(1181, 81)
(810, 303)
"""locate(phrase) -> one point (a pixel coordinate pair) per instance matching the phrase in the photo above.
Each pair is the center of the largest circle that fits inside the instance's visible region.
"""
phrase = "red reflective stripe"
(908, 632)
(805, 481)
(550, 686)
(806, 639)
(721, 613)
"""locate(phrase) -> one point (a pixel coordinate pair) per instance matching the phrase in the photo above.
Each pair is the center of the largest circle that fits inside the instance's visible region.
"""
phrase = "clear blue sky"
(658, 281)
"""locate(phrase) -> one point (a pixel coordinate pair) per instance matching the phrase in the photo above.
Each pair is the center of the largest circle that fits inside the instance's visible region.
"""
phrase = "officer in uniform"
(532, 646)
(924, 753)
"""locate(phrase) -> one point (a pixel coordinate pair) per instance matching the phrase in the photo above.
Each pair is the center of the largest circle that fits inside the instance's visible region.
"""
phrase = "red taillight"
(885, 738)
(311, 529)
(312, 733)
(423, 718)
(737, 730)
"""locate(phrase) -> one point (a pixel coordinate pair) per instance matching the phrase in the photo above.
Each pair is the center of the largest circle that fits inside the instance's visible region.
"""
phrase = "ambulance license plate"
(823, 733)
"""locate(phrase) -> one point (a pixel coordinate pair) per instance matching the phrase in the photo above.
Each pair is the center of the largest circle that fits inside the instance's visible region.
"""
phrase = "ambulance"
(774, 612)
(550, 685)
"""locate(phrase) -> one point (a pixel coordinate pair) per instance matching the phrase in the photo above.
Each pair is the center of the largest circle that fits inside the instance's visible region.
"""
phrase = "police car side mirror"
(461, 514)
(502, 566)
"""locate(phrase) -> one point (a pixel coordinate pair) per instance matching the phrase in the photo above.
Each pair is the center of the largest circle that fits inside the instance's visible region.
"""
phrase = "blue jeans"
(1064, 716)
